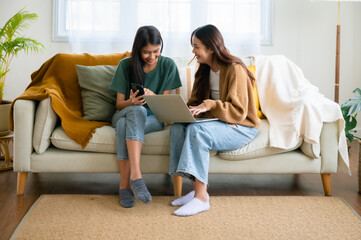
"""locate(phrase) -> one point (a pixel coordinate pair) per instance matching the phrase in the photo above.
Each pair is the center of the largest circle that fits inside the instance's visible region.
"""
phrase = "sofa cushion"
(45, 121)
(259, 147)
(104, 140)
(311, 150)
(98, 99)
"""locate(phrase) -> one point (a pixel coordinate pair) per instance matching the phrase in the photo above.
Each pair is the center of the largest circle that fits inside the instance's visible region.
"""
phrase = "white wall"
(304, 31)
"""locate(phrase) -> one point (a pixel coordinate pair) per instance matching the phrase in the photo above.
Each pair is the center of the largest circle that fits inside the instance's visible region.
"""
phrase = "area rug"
(101, 217)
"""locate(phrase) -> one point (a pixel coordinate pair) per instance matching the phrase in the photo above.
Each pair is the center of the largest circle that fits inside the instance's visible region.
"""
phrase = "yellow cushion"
(252, 69)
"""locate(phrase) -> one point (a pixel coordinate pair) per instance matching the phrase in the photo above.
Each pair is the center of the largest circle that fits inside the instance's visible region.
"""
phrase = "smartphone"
(135, 87)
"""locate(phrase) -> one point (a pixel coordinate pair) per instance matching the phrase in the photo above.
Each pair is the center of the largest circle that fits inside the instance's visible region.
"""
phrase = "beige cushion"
(311, 150)
(45, 122)
(259, 147)
(104, 140)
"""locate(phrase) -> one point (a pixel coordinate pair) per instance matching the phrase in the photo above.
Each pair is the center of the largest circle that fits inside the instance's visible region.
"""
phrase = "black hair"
(144, 36)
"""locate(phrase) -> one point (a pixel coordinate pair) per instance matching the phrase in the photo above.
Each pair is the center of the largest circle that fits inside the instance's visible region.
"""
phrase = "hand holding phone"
(135, 87)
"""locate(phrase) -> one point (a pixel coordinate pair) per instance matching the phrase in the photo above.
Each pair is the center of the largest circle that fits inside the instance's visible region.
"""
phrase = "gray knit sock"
(126, 198)
(140, 190)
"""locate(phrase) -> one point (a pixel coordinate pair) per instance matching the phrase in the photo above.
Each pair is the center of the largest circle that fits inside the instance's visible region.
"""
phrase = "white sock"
(193, 207)
(183, 200)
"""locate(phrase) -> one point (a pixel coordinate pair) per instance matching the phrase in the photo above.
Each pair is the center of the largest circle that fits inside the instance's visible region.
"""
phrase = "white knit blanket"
(294, 107)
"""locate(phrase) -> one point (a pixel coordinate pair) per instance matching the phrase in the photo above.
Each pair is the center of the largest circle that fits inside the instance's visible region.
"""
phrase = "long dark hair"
(144, 36)
(212, 38)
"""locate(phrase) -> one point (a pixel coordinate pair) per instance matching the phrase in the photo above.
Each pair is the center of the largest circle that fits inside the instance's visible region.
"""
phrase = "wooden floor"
(14, 207)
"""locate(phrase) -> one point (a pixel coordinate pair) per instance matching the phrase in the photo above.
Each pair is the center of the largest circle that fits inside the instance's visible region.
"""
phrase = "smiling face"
(150, 54)
(201, 52)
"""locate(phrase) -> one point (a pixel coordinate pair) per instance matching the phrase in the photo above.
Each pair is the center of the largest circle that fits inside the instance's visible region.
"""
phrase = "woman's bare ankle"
(135, 176)
(124, 186)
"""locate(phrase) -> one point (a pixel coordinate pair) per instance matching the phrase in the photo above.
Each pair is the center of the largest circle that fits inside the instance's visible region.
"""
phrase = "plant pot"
(4, 117)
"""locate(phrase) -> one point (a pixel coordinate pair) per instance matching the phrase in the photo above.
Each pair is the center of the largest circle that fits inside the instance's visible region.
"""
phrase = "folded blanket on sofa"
(57, 78)
(294, 107)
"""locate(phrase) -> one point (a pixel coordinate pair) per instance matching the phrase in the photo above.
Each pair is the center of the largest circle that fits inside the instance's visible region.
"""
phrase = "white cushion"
(259, 147)
(45, 122)
(311, 150)
(104, 140)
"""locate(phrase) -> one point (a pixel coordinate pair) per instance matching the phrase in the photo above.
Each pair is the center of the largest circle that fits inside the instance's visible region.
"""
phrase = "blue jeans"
(132, 123)
(190, 145)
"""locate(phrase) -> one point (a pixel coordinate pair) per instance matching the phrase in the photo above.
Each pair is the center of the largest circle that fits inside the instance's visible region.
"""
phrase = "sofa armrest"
(24, 115)
(329, 147)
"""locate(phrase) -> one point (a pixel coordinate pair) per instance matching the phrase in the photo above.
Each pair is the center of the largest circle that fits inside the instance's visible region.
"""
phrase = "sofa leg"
(177, 185)
(22, 176)
(326, 182)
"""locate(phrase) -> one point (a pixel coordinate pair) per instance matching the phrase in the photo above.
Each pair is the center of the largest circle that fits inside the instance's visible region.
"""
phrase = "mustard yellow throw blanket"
(57, 78)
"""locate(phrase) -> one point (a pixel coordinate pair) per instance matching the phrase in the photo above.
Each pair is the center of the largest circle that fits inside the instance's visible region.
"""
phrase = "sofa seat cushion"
(259, 147)
(104, 140)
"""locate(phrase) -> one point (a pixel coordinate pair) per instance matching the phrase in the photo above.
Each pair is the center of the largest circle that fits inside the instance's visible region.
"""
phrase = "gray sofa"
(62, 154)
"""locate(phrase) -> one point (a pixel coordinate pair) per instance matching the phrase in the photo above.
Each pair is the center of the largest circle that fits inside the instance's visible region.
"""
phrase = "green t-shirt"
(164, 77)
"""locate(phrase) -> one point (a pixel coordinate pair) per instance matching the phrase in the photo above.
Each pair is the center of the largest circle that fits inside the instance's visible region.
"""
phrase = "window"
(240, 21)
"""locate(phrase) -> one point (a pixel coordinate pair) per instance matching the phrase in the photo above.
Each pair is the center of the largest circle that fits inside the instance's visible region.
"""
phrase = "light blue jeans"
(190, 145)
(132, 123)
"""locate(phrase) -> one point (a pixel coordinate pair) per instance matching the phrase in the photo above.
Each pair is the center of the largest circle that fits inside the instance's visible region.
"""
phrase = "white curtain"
(106, 26)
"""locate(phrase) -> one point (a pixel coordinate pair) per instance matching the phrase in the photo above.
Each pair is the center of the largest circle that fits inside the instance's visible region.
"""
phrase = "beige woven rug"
(101, 217)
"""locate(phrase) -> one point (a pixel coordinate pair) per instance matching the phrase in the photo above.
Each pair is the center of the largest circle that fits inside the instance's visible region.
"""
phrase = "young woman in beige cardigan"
(222, 89)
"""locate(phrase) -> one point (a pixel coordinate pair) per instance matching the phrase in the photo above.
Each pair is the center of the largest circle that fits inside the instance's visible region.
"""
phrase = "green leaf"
(23, 44)
(16, 24)
(352, 110)
(350, 124)
(357, 90)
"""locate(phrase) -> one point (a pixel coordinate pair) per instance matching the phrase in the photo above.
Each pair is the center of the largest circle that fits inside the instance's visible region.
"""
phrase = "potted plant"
(12, 42)
(350, 109)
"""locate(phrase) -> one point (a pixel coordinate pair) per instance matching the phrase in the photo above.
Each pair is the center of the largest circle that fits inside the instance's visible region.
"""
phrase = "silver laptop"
(172, 108)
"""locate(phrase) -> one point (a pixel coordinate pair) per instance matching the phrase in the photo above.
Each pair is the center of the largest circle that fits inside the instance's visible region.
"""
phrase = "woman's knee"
(137, 110)
(194, 128)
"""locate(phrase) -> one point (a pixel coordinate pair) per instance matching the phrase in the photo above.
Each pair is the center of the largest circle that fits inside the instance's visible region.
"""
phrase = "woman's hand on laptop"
(148, 92)
(195, 110)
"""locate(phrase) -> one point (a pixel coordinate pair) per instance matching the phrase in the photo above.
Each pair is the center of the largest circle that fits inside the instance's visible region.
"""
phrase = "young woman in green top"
(133, 118)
